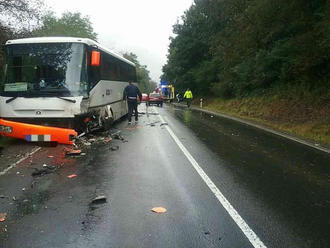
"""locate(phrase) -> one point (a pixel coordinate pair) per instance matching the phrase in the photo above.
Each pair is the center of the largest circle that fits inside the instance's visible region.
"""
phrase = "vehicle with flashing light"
(167, 92)
(63, 82)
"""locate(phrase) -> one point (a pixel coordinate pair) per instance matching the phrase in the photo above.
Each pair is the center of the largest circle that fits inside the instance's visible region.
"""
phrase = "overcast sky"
(139, 26)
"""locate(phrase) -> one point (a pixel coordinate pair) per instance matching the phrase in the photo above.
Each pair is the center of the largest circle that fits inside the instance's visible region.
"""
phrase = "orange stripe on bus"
(20, 130)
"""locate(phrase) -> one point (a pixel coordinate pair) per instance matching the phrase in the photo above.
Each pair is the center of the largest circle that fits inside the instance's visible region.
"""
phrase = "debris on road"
(152, 124)
(81, 135)
(159, 210)
(118, 136)
(107, 140)
(70, 151)
(72, 176)
(3, 217)
(47, 169)
(114, 148)
(99, 199)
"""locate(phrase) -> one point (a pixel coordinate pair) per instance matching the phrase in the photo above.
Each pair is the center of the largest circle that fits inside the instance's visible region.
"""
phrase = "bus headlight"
(6, 129)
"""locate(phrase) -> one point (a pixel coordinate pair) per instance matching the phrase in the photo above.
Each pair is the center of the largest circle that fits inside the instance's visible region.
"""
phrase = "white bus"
(63, 81)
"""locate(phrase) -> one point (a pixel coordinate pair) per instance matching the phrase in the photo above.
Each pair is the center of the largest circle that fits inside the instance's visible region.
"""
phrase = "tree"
(20, 13)
(236, 47)
(69, 24)
(17, 19)
(142, 73)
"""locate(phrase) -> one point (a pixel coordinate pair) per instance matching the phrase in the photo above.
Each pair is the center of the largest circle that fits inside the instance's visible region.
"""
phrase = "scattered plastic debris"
(72, 176)
(72, 152)
(118, 136)
(3, 217)
(114, 148)
(99, 199)
(159, 210)
(81, 135)
(107, 140)
(152, 124)
(47, 169)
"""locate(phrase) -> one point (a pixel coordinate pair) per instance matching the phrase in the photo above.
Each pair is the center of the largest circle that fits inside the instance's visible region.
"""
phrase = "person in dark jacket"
(131, 92)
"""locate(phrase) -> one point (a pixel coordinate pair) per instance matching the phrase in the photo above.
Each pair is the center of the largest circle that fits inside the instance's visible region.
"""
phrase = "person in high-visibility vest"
(188, 96)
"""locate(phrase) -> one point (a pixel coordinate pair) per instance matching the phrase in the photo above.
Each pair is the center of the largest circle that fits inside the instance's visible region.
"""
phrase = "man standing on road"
(188, 96)
(131, 92)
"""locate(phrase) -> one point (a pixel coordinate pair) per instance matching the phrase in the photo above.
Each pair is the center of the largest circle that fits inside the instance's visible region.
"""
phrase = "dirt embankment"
(307, 118)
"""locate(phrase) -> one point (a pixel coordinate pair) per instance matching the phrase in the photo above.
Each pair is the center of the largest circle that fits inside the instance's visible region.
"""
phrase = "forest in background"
(31, 18)
(235, 48)
(263, 60)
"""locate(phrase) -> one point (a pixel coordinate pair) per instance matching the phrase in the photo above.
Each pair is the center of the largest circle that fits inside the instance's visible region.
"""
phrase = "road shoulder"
(262, 127)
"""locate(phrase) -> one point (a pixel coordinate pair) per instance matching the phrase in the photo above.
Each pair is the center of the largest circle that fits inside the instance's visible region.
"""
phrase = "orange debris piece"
(73, 152)
(72, 176)
(107, 140)
(159, 210)
(3, 217)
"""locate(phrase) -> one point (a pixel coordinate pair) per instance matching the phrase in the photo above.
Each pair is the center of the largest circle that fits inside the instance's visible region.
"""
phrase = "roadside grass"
(303, 115)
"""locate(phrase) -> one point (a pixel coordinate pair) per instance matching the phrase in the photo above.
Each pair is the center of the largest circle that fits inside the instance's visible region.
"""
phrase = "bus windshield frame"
(44, 69)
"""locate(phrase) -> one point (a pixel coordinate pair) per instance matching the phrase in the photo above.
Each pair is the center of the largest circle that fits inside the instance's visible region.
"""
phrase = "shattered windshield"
(44, 69)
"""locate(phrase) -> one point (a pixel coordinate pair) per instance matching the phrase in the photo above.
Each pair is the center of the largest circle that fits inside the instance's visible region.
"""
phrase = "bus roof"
(68, 39)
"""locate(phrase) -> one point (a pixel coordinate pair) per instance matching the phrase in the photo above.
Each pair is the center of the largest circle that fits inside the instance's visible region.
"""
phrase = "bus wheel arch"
(106, 117)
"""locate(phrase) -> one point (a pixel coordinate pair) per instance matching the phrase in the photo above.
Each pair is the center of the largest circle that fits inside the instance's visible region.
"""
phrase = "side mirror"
(95, 59)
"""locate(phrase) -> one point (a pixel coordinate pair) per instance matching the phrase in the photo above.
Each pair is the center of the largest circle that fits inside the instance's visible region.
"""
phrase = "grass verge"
(306, 117)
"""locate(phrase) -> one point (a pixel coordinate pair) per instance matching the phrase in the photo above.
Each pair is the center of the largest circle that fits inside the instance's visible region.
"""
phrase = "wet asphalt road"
(280, 188)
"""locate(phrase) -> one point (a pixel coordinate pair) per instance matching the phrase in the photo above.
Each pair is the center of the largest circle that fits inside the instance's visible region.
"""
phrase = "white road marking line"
(248, 232)
(19, 161)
